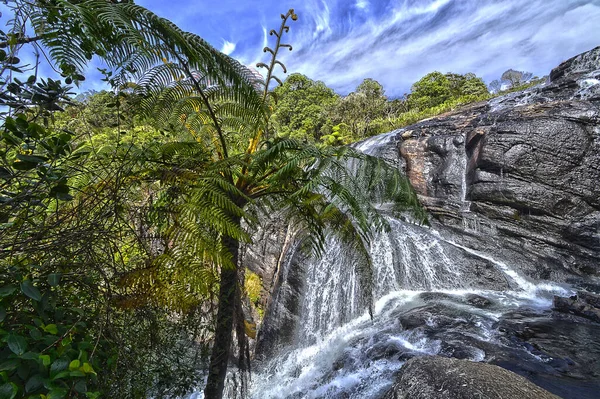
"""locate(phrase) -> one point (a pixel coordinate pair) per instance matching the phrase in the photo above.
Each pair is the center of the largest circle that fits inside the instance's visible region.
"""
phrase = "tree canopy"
(302, 107)
(436, 88)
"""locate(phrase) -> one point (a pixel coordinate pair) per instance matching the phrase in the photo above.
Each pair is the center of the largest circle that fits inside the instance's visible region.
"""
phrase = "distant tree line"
(512, 80)
(309, 110)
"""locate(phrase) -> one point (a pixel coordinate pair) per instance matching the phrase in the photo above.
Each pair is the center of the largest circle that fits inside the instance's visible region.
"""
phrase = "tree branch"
(23, 40)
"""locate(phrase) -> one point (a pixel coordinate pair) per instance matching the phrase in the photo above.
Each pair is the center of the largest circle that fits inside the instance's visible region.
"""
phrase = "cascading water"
(433, 295)
(340, 352)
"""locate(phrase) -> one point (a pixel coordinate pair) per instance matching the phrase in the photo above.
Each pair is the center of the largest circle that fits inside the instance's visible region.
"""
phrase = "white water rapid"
(340, 352)
(432, 295)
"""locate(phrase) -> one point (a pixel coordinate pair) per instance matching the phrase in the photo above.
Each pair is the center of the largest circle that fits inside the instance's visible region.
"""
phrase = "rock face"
(583, 304)
(516, 178)
(275, 257)
(523, 168)
(443, 378)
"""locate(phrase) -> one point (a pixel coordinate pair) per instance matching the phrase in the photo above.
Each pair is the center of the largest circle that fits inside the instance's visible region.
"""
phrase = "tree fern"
(206, 188)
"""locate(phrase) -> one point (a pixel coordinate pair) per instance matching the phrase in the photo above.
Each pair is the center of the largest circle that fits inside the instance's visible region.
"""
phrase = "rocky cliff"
(512, 187)
(516, 178)
(519, 175)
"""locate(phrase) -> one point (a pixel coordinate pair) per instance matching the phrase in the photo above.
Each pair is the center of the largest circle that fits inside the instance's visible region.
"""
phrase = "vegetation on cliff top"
(310, 111)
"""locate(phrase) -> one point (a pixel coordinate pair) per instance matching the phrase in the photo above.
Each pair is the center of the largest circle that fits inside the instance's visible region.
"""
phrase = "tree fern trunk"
(223, 333)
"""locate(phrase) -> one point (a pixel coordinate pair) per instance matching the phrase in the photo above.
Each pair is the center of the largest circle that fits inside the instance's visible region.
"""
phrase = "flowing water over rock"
(513, 187)
(425, 305)
(433, 296)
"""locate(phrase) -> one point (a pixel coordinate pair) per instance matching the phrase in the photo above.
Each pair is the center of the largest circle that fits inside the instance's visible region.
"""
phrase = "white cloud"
(228, 47)
(397, 42)
(362, 4)
(412, 39)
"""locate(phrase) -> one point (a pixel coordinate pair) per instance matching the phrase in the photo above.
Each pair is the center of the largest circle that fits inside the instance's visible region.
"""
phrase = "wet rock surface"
(564, 353)
(583, 304)
(523, 169)
(556, 351)
(282, 314)
(442, 378)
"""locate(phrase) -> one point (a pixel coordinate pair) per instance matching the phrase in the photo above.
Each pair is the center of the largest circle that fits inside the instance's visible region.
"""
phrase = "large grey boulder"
(517, 176)
(444, 378)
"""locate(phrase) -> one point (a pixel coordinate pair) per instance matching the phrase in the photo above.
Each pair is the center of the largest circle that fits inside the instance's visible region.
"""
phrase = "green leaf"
(81, 386)
(22, 165)
(57, 393)
(36, 131)
(8, 391)
(77, 373)
(32, 292)
(34, 383)
(87, 368)
(54, 279)
(35, 334)
(62, 374)
(9, 365)
(7, 290)
(61, 191)
(5, 173)
(45, 360)
(51, 328)
(17, 344)
(2, 314)
(30, 356)
(59, 365)
(31, 158)
(74, 365)
(11, 139)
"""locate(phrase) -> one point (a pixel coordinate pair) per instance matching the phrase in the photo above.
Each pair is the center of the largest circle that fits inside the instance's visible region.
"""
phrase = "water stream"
(340, 352)
(432, 295)
(426, 302)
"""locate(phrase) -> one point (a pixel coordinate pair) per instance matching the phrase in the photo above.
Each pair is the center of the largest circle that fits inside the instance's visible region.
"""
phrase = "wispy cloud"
(228, 47)
(403, 42)
(362, 4)
(395, 41)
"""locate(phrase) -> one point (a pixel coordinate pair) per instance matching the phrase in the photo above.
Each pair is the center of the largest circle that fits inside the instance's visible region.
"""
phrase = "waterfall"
(376, 145)
(333, 293)
(433, 295)
(340, 352)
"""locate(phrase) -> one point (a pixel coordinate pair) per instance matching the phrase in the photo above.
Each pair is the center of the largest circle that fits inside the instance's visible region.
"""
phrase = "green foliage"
(120, 235)
(308, 110)
(340, 135)
(72, 226)
(302, 108)
(436, 88)
(253, 286)
(49, 349)
(359, 109)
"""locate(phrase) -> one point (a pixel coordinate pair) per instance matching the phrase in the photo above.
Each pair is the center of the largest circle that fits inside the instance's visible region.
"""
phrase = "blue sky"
(397, 42)
(341, 42)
